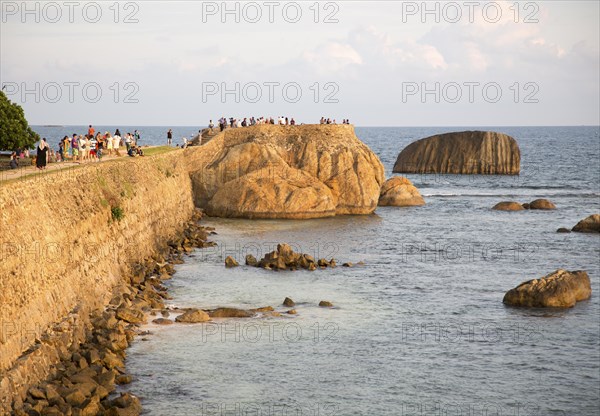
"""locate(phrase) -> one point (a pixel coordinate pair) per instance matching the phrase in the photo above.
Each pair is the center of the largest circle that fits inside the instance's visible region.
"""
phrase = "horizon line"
(338, 124)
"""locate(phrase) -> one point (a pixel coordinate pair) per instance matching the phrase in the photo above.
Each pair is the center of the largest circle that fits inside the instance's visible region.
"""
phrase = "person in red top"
(91, 130)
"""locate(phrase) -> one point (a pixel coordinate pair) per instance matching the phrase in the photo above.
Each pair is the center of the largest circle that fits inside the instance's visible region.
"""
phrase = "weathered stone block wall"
(63, 251)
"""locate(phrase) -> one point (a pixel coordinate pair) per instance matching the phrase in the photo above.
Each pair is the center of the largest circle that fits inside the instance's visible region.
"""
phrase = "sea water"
(420, 328)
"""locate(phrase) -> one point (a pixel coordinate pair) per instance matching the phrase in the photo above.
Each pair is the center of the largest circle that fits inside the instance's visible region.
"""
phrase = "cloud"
(332, 57)
(380, 48)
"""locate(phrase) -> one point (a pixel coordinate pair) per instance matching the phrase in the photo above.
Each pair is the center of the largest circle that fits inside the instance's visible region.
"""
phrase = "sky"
(377, 63)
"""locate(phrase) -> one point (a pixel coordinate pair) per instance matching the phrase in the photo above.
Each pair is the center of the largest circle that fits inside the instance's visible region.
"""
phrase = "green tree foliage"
(15, 133)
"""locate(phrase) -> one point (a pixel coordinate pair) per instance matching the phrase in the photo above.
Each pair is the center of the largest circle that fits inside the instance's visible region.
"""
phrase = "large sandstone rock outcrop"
(400, 192)
(590, 224)
(467, 152)
(559, 289)
(271, 171)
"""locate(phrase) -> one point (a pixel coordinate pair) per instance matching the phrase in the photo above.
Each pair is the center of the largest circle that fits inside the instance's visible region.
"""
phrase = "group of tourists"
(330, 121)
(251, 121)
(94, 145)
(90, 147)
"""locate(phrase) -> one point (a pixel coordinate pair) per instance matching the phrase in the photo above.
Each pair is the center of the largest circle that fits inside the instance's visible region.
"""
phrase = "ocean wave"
(511, 195)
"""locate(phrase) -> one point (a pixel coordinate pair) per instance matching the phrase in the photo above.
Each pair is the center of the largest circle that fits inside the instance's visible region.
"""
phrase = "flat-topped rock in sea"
(559, 289)
(272, 171)
(398, 191)
(466, 152)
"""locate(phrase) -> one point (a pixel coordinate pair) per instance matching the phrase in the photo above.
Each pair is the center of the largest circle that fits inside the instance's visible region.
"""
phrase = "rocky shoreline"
(84, 382)
(127, 290)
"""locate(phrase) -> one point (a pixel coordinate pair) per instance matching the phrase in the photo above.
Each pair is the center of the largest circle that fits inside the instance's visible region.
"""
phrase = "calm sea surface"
(420, 329)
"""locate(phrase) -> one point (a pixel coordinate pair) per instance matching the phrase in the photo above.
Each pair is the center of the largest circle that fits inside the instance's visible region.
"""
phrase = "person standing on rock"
(61, 151)
(127, 141)
(109, 143)
(13, 160)
(99, 145)
(42, 154)
(83, 148)
(65, 145)
(169, 137)
(75, 148)
(116, 143)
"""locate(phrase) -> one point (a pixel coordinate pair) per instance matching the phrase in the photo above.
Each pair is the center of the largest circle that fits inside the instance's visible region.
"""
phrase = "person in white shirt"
(116, 144)
(128, 141)
(84, 147)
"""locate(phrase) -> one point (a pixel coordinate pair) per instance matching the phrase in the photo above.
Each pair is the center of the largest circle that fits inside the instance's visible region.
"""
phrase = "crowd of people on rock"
(251, 121)
(232, 122)
(82, 148)
(330, 121)
(91, 147)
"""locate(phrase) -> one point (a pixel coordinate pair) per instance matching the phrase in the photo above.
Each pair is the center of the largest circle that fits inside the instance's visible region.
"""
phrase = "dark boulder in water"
(466, 152)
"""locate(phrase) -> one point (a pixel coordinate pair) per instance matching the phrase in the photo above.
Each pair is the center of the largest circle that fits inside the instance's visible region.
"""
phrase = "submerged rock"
(541, 204)
(162, 321)
(590, 224)
(323, 263)
(123, 379)
(559, 289)
(230, 313)
(193, 316)
(325, 304)
(125, 405)
(467, 152)
(399, 192)
(263, 309)
(284, 258)
(508, 206)
(251, 260)
(563, 230)
(230, 262)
